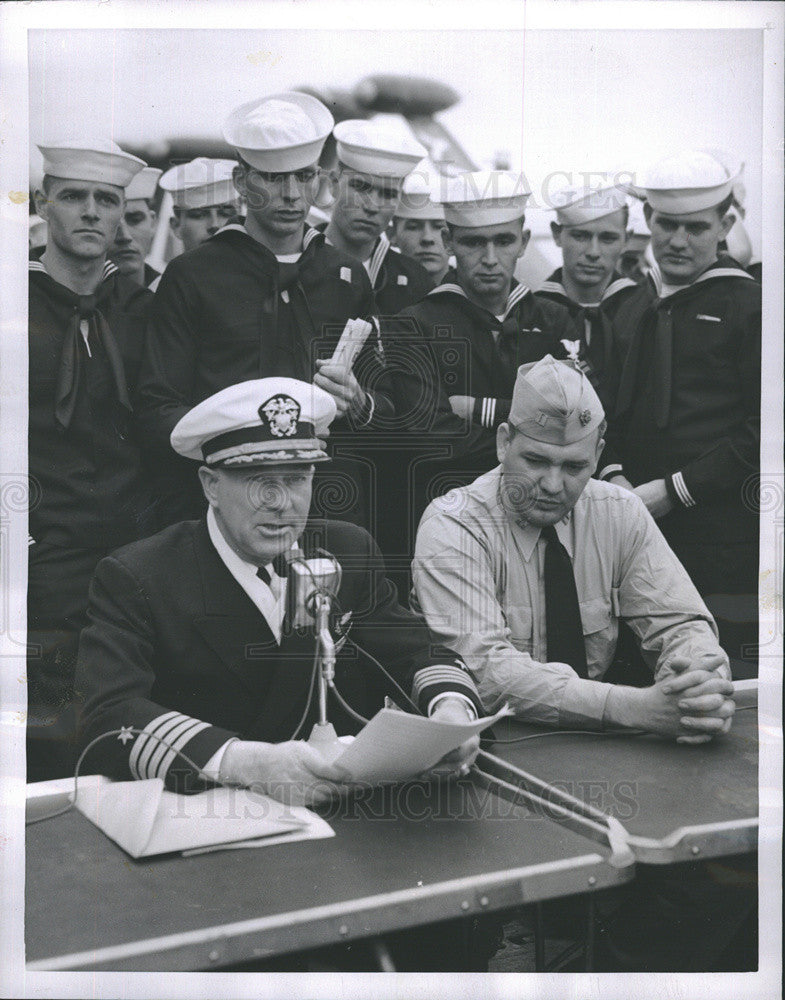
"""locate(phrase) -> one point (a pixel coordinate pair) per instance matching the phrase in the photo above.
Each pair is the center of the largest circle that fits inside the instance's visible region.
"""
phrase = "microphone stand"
(323, 736)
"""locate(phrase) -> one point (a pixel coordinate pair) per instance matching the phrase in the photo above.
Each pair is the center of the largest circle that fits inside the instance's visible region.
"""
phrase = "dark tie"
(507, 344)
(564, 630)
(264, 575)
(295, 314)
(86, 307)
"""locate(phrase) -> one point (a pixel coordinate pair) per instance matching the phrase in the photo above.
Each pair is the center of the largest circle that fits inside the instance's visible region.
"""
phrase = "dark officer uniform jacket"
(686, 408)
(592, 323)
(176, 648)
(228, 311)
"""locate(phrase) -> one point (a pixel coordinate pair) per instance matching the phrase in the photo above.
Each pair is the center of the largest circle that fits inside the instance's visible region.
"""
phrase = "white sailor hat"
(98, 160)
(685, 183)
(267, 421)
(373, 147)
(279, 133)
(575, 206)
(417, 194)
(484, 198)
(200, 183)
(143, 185)
(553, 401)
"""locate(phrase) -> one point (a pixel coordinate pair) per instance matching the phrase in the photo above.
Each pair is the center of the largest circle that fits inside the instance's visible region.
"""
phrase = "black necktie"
(85, 307)
(562, 613)
(280, 566)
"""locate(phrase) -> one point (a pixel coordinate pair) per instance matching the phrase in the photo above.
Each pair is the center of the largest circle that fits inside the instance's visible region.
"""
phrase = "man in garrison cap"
(204, 198)
(527, 574)
(88, 495)
(418, 224)
(499, 535)
(373, 162)
(455, 354)
(591, 231)
(684, 406)
(266, 295)
(135, 233)
(191, 642)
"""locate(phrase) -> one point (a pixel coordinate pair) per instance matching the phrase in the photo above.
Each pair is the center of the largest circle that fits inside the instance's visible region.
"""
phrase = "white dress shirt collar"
(245, 574)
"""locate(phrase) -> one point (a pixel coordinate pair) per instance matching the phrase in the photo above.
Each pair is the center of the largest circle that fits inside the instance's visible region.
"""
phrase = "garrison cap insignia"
(585, 417)
(281, 413)
(541, 418)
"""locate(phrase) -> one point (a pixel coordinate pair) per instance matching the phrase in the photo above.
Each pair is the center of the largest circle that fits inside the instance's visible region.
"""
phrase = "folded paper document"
(354, 335)
(145, 819)
(396, 746)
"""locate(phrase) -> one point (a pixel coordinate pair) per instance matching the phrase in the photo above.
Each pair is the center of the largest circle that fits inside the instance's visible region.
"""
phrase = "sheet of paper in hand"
(397, 746)
(145, 819)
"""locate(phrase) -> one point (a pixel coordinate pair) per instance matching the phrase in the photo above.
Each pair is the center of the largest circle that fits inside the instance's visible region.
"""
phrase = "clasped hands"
(693, 705)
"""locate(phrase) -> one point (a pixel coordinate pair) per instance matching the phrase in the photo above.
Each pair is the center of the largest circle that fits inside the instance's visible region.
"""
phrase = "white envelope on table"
(145, 819)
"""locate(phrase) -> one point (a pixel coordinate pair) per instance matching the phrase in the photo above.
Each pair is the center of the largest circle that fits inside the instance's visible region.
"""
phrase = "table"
(402, 856)
(671, 802)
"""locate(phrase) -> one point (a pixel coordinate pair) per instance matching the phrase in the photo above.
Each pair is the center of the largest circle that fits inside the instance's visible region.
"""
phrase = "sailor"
(86, 326)
(204, 198)
(685, 425)
(591, 231)
(135, 233)
(265, 295)
(418, 224)
(373, 161)
(456, 353)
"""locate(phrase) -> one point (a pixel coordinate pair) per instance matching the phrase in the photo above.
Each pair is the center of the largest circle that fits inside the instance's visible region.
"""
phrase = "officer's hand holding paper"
(397, 746)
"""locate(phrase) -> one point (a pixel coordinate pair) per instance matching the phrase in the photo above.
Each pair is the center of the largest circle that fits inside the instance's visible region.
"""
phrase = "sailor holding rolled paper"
(266, 295)
(191, 647)
(373, 163)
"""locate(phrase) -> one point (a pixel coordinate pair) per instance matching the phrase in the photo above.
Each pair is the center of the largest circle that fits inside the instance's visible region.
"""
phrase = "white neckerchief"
(245, 574)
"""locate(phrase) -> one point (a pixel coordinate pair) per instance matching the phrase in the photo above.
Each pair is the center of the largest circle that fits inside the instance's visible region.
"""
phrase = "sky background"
(554, 100)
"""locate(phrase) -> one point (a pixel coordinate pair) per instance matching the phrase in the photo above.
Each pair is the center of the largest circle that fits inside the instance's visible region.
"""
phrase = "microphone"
(313, 585)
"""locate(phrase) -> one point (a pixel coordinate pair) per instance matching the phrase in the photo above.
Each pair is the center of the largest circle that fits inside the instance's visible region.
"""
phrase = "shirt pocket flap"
(595, 615)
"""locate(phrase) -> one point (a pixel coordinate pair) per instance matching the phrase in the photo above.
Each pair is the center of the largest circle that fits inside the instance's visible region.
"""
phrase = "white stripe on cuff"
(681, 490)
(157, 746)
(161, 760)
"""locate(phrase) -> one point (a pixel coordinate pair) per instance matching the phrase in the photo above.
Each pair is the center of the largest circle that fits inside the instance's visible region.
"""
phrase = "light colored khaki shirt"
(479, 580)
